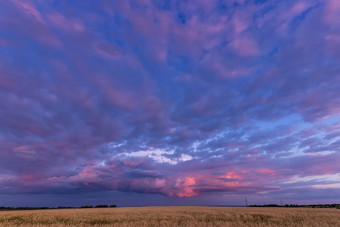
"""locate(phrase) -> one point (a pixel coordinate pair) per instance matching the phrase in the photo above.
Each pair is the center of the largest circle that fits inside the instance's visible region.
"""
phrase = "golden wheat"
(174, 216)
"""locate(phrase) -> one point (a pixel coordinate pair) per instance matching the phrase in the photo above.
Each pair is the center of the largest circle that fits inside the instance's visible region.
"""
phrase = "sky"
(169, 102)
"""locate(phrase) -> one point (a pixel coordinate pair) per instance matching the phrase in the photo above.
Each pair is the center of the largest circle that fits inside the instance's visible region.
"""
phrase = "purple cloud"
(174, 98)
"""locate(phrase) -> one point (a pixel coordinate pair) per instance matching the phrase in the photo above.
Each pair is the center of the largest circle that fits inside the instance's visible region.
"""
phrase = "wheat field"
(174, 216)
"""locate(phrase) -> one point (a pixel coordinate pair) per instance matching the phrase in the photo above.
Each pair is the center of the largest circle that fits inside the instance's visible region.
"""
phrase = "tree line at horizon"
(2, 208)
(334, 205)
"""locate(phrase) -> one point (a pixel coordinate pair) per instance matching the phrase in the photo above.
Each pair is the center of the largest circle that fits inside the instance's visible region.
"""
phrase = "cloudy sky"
(161, 102)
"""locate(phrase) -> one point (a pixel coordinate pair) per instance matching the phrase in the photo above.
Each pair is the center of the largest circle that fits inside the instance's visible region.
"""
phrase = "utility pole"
(245, 199)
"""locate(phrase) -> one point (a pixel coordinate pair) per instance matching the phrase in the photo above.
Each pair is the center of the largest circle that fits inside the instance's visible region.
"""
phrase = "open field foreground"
(174, 216)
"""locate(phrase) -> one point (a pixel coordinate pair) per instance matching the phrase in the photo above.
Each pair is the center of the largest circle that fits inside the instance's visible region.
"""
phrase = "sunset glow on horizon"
(160, 102)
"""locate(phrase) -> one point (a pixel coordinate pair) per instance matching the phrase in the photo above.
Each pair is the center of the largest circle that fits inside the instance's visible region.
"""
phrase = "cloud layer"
(174, 98)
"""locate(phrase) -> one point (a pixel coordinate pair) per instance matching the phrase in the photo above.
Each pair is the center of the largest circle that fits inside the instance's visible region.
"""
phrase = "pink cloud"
(62, 22)
(29, 9)
(269, 172)
(25, 152)
(286, 17)
(294, 11)
(332, 43)
(116, 96)
(298, 8)
(245, 46)
(332, 12)
(184, 187)
(232, 73)
(241, 20)
(5, 82)
(107, 50)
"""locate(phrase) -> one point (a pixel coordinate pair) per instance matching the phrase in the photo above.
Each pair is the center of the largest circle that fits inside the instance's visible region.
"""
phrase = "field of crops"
(174, 216)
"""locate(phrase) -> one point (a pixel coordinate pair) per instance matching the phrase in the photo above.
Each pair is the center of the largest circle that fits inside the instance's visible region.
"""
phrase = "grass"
(174, 216)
